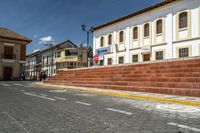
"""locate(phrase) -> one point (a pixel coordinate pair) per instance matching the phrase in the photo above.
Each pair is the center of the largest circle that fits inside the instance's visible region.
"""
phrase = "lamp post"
(51, 47)
(88, 35)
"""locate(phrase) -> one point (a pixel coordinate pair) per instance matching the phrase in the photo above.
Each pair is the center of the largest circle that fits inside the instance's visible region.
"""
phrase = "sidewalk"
(193, 101)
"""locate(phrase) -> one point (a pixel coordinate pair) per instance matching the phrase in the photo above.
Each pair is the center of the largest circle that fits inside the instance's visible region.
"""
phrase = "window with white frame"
(159, 55)
(121, 60)
(109, 61)
(109, 39)
(159, 26)
(183, 52)
(146, 30)
(183, 20)
(102, 41)
(121, 36)
(135, 58)
(135, 33)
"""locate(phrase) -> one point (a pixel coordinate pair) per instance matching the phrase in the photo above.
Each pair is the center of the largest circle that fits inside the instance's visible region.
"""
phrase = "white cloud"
(45, 39)
(84, 44)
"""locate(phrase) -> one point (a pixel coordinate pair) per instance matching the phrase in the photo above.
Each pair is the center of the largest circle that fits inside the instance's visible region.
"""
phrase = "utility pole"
(88, 39)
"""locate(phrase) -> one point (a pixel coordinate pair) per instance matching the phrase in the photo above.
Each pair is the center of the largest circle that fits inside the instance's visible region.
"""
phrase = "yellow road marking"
(130, 96)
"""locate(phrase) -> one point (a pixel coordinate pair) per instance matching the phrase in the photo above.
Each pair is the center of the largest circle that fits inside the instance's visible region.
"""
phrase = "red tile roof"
(9, 34)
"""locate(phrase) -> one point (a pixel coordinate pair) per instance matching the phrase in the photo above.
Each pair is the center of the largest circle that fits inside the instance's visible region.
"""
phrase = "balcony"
(8, 57)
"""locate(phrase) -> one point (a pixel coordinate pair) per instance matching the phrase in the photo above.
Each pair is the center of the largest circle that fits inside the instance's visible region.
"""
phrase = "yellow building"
(73, 57)
(12, 54)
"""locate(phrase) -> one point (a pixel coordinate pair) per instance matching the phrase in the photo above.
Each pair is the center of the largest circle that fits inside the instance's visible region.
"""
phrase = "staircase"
(176, 77)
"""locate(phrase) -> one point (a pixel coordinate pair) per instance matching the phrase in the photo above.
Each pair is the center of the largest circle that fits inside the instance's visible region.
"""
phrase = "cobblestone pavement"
(28, 109)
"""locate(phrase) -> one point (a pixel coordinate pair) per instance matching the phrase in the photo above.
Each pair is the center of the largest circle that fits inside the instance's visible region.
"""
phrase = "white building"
(167, 30)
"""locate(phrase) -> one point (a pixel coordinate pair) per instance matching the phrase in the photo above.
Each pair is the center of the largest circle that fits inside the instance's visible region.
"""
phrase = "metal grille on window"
(183, 52)
(159, 27)
(183, 20)
(121, 60)
(135, 58)
(146, 30)
(109, 61)
(135, 33)
(159, 55)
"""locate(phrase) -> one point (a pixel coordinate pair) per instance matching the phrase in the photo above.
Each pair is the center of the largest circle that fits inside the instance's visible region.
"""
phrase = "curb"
(130, 96)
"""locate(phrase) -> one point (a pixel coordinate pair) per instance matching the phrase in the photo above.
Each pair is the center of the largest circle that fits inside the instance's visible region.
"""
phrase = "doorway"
(7, 73)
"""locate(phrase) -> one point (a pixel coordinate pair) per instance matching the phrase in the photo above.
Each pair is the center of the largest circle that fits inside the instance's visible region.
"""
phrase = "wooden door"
(7, 72)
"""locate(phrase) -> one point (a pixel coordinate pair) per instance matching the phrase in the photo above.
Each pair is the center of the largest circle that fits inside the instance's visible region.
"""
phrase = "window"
(109, 61)
(121, 60)
(43, 60)
(110, 39)
(102, 41)
(146, 30)
(47, 60)
(135, 58)
(58, 54)
(23, 52)
(135, 33)
(183, 52)
(159, 26)
(146, 57)
(159, 55)
(71, 52)
(121, 36)
(8, 52)
(101, 62)
(183, 20)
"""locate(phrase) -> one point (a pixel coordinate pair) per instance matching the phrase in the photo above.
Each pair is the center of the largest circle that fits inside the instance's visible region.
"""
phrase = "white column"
(169, 36)
(115, 47)
(128, 45)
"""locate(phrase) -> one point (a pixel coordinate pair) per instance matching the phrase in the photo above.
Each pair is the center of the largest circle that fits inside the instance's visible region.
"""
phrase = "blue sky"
(59, 20)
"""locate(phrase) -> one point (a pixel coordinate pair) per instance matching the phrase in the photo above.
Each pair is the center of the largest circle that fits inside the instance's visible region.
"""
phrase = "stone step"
(146, 84)
(161, 90)
(126, 75)
(141, 69)
(181, 77)
(135, 79)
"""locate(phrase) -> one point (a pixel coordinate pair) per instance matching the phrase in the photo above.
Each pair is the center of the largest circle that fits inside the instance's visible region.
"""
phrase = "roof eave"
(163, 3)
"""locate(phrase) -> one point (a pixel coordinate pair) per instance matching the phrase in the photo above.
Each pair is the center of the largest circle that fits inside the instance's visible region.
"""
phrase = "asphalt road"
(28, 109)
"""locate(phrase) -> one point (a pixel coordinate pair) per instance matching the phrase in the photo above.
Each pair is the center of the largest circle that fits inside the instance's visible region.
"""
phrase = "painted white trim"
(8, 60)
(8, 44)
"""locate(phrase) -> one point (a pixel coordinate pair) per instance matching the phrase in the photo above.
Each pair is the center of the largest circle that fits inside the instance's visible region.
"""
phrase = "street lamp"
(51, 47)
(88, 35)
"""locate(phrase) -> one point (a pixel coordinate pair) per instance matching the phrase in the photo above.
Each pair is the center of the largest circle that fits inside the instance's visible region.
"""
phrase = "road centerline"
(83, 103)
(18, 84)
(30, 94)
(184, 126)
(5, 84)
(119, 111)
(60, 98)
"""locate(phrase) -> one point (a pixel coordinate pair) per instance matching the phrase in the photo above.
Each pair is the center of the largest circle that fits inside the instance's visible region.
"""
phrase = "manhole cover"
(178, 108)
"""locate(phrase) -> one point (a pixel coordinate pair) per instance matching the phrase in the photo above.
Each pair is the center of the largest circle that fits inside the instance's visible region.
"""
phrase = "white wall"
(170, 42)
